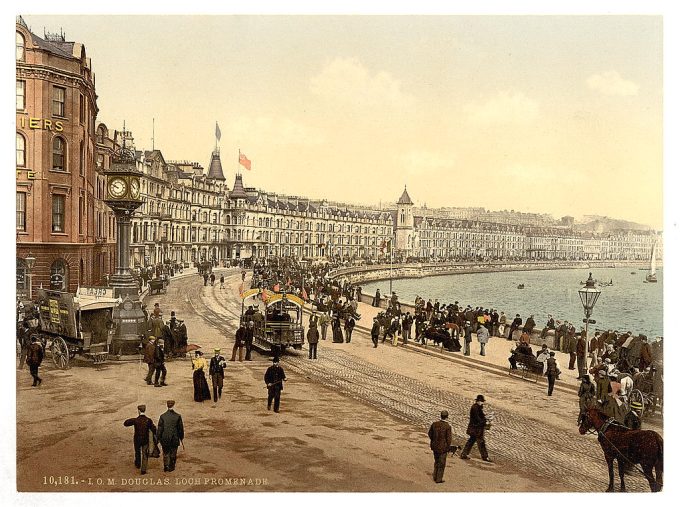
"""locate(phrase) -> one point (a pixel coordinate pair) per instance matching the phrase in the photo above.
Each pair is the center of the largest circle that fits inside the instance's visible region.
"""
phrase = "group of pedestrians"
(169, 433)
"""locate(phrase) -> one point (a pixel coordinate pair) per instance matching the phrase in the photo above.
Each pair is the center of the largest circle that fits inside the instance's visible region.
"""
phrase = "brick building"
(57, 214)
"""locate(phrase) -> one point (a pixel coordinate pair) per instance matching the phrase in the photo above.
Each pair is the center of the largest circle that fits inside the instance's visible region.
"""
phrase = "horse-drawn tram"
(71, 325)
(280, 325)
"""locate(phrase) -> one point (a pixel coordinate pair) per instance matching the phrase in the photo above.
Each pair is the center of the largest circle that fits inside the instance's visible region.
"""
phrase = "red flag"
(276, 287)
(304, 294)
(264, 295)
(243, 160)
(288, 281)
(240, 289)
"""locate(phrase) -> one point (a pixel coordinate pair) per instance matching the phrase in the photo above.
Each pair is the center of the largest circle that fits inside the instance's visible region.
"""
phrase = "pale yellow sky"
(555, 114)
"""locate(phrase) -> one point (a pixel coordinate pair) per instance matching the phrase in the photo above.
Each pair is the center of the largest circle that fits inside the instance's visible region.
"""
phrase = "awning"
(87, 303)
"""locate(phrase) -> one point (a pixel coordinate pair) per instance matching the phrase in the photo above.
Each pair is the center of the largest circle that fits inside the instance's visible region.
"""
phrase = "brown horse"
(628, 447)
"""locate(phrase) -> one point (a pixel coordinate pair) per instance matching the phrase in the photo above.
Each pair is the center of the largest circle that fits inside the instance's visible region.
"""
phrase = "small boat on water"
(520, 286)
(632, 272)
(651, 277)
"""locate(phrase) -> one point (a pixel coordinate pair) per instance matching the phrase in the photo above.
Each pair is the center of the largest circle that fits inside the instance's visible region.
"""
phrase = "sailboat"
(651, 277)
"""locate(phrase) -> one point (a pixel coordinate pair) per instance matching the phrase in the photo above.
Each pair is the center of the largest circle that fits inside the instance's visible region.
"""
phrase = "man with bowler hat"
(274, 377)
(475, 429)
(143, 425)
(440, 441)
(216, 370)
(170, 435)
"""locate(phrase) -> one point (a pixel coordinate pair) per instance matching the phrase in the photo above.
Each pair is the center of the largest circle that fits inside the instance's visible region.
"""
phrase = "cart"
(71, 325)
(158, 285)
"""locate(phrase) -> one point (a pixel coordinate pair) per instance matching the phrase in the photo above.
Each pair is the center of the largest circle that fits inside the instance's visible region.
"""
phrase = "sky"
(546, 114)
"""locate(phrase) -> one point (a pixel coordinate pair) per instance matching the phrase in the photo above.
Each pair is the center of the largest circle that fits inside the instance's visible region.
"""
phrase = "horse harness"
(613, 422)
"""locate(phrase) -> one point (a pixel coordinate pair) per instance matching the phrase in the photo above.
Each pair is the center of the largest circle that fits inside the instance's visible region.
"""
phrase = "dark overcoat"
(477, 421)
(170, 429)
(440, 436)
(142, 426)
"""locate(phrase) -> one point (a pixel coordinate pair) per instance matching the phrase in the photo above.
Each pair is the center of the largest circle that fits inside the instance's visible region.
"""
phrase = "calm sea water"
(628, 305)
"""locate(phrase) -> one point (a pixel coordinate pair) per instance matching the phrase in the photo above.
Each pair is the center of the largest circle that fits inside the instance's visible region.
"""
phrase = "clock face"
(134, 188)
(117, 187)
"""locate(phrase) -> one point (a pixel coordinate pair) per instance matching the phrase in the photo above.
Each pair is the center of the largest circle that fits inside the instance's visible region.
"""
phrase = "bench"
(528, 368)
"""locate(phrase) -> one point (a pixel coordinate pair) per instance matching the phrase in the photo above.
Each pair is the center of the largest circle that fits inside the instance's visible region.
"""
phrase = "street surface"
(356, 419)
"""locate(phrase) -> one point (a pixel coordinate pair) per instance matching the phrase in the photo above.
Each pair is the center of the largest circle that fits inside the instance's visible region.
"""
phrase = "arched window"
(21, 150)
(59, 275)
(58, 154)
(21, 46)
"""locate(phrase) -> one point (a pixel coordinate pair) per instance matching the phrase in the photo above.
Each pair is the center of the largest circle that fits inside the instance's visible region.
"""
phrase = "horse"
(628, 447)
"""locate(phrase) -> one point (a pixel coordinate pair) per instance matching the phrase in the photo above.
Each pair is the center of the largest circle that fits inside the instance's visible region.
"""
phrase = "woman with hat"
(201, 389)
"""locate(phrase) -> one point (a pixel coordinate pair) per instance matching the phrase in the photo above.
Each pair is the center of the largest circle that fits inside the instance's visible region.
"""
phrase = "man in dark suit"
(159, 363)
(248, 339)
(375, 332)
(312, 339)
(475, 429)
(34, 358)
(274, 377)
(143, 425)
(515, 325)
(170, 434)
(552, 372)
(440, 441)
(216, 371)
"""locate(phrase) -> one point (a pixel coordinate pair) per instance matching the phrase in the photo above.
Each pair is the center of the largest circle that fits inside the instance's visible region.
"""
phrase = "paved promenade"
(495, 360)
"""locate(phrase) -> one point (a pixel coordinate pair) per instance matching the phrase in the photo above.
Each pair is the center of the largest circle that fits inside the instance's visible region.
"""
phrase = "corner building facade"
(56, 181)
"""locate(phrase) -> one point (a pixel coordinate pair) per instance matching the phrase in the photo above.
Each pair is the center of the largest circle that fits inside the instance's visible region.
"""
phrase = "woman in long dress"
(201, 389)
(337, 330)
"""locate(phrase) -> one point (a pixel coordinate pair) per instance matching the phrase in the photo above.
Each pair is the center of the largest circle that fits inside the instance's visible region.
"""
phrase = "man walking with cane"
(170, 435)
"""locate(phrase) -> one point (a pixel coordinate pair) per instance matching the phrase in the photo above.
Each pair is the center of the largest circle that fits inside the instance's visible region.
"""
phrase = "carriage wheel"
(60, 353)
(637, 399)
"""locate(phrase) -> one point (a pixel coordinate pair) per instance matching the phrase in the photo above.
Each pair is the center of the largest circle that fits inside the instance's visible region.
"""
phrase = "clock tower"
(123, 197)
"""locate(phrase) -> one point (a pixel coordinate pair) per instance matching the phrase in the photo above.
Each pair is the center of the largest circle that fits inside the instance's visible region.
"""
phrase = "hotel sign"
(41, 123)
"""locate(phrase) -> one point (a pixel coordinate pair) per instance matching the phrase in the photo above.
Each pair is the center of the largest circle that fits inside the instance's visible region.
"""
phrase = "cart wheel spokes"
(60, 353)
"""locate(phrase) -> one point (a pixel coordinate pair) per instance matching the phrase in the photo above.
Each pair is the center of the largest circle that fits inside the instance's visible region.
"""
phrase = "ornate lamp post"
(30, 262)
(123, 197)
(589, 294)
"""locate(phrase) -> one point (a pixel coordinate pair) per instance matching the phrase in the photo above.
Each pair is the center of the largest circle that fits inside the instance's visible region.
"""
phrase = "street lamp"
(30, 262)
(589, 295)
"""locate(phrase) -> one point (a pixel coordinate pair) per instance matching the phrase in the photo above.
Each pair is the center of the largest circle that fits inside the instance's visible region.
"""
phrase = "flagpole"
(390, 244)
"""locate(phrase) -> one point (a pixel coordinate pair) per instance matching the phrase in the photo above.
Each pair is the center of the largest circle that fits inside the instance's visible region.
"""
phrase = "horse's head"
(591, 418)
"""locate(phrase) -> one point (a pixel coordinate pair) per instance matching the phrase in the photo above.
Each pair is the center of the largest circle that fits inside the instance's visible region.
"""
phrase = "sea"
(629, 304)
